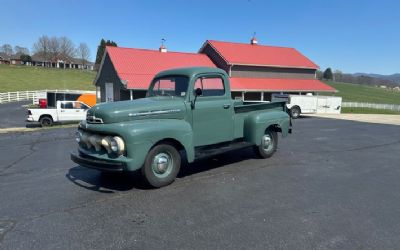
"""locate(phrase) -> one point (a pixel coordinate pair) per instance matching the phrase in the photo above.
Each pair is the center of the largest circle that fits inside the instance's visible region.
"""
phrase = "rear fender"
(256, 124)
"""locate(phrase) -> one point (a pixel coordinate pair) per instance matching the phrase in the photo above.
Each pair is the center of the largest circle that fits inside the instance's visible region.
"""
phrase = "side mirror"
(197, 92)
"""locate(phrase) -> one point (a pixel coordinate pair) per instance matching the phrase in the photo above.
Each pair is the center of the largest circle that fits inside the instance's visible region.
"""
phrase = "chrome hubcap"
(267, 143)
(162, 164)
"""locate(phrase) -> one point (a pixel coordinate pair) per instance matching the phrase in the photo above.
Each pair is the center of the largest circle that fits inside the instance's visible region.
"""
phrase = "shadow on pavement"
(33, 125)
(216, 161)
(104, 182)
(109, 182)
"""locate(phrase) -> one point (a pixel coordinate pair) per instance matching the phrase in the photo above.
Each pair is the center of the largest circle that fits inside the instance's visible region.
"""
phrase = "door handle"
(226, 106)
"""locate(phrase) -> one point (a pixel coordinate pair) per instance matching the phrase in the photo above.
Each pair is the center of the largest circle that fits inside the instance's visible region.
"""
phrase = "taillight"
(43, 103)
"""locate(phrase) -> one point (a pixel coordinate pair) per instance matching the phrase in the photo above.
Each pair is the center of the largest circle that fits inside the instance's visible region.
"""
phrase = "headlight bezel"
(78, 136)
(117, 145)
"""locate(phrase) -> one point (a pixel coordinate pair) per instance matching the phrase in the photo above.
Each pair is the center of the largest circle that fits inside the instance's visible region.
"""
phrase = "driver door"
(213, 113)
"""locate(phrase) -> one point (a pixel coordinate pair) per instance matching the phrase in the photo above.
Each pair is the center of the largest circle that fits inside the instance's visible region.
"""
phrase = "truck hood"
(162, 107)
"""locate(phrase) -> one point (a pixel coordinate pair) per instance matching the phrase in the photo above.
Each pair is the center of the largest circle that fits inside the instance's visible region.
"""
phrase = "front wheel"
(162, 165)
(268, 145)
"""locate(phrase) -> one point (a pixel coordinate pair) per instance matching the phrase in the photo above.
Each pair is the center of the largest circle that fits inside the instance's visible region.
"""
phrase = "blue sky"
(353, 36)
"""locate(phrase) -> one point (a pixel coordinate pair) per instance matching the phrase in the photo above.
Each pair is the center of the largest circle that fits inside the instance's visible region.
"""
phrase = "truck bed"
(243, 107)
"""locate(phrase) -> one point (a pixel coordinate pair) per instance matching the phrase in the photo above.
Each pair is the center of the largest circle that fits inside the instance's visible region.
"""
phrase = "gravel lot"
(333, 184)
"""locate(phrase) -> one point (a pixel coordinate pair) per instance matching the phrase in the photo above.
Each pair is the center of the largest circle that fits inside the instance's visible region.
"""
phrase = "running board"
(211, 150)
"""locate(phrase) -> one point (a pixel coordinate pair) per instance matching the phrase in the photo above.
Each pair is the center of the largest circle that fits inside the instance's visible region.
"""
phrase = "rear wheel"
(268, 145)
(162, 165)
(46, 121)
(295, 112)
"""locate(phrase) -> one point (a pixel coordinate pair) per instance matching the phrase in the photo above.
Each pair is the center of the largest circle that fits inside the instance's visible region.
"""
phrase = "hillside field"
(361, 93)
(19, 78)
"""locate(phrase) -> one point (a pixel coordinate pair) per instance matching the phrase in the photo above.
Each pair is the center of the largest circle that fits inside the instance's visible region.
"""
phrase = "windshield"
(169, 86)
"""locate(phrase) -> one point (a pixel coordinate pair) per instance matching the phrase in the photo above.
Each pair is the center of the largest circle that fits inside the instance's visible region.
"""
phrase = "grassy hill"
(361, 93)
(18, 78)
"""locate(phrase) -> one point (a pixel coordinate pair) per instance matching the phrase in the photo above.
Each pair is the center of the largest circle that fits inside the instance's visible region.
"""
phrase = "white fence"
(371, 105)
(32, 95)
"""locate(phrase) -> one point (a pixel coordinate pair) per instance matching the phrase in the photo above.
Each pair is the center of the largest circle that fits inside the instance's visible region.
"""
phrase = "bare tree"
(54, 49)
(42, 48)
(67, 49)
(83, 52)
(7, 49)
(21, 50)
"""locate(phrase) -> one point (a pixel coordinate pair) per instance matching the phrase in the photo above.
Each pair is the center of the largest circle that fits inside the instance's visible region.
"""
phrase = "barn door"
(109, 92)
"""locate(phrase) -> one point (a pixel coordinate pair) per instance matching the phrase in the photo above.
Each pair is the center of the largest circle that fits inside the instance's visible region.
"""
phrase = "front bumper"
(103, 165)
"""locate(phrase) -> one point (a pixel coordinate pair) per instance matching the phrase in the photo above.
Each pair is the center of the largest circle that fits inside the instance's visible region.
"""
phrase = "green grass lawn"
(361, 93)
(19, 78)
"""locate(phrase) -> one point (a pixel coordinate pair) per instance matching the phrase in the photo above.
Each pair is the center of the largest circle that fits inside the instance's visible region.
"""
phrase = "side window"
(67, 105)
(84, 106)
(79, 105)
(213, 86)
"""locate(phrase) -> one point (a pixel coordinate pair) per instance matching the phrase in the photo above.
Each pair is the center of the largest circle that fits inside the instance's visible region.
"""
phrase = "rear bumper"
(103, 165)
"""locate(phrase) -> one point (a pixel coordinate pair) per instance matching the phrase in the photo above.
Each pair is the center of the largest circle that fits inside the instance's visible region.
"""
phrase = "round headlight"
(78, 136)
(114, 145)
(117, 145)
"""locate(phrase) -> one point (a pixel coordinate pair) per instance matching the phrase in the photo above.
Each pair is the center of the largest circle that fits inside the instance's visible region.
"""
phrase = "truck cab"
(186, 110)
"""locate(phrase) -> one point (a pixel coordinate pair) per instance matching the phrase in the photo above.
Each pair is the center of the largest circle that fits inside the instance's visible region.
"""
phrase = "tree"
(337, 75)
(42, 48)
(54, 49)
(25, 58)
(83, 52)
(100, 50)
(67, 49)
(21, 50)
(328, 74)
(7, 49)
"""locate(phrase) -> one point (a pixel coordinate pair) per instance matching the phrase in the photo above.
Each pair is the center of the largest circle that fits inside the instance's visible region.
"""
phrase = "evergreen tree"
(328, 74)
(100, 50)
(25, 58)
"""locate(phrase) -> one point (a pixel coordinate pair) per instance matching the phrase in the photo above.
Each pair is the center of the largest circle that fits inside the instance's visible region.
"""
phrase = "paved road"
(13, 114)
(333, 184)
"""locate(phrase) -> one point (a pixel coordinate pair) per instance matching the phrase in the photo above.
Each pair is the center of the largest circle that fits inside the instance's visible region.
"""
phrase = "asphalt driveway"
(13, 114)
(333, 184)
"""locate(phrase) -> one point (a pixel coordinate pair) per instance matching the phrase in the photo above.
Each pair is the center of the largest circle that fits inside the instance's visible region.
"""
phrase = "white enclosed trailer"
(310, 104)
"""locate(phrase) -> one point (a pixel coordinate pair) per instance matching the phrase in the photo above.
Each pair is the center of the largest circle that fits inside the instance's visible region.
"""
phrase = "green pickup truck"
(187, 112)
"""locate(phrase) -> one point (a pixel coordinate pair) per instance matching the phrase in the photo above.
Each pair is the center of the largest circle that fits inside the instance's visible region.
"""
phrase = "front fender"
(153, 131)
(256, 124)
(141, 135)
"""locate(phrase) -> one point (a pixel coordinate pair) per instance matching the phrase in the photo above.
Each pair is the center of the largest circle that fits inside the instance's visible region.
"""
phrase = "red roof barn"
(133, 69)
(256, 71)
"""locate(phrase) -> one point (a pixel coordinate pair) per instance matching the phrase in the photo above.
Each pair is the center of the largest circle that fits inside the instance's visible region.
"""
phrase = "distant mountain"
(394, 78)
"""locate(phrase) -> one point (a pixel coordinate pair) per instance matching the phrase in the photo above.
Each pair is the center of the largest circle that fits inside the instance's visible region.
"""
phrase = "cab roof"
(191, 71)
